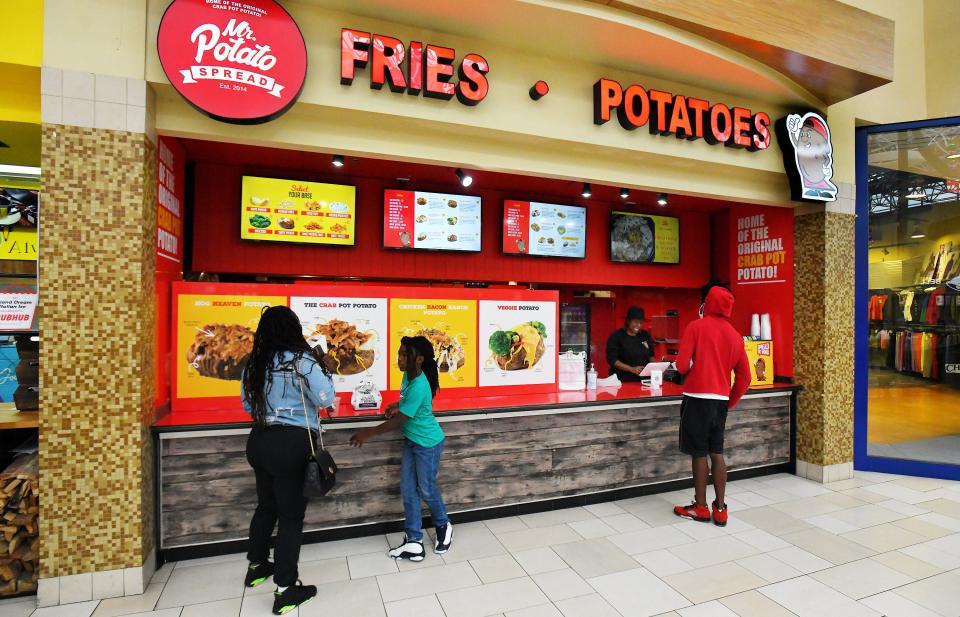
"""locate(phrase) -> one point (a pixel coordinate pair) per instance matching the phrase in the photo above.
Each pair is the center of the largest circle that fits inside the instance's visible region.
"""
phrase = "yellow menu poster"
(214, 340)
(760, 357)
(667, 239)
(296, 211)
(450, 325)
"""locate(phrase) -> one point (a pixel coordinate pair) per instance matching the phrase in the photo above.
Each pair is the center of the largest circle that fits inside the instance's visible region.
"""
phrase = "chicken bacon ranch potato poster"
(355, 332)
(450, 325)
(518, 343)
(214, 341)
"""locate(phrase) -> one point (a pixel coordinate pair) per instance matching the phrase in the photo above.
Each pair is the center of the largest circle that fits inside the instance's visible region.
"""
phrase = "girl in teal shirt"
(422, 447)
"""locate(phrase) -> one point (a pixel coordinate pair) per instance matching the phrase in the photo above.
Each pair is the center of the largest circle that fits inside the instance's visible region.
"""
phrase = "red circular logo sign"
(238, 61)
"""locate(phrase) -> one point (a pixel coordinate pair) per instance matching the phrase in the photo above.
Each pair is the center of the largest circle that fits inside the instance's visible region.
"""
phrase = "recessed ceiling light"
(624, 193)
(662, 199)
(338, 160)
(586, 192)
(916, 195)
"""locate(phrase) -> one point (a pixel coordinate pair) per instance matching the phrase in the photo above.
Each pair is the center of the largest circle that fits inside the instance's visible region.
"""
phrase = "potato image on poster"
(354, 331)
(449, 325)
(519, 343)
(214, 341)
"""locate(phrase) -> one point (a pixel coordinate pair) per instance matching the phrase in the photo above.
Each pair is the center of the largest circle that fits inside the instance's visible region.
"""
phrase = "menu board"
(355, 333)
(296, 211)
(437, 221)
(518, 342)
(644, 238)
(214, 341)
(553, 230)
(449, 325)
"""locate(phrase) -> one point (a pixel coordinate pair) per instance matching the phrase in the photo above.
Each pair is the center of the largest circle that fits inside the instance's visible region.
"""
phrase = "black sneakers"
(294, 596)
(444, 539)
(258, 573)
(408, 549)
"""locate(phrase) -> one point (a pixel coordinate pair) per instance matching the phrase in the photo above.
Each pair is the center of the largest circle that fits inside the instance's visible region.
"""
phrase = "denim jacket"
(284, 404)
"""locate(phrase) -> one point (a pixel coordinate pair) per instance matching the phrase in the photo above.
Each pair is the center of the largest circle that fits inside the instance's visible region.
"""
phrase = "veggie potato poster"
(355, 332)
(518, 342)
(214, 341)
(450, 325)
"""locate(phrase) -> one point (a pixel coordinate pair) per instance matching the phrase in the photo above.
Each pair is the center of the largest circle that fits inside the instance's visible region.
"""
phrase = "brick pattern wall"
(824, 336)
(96, 290)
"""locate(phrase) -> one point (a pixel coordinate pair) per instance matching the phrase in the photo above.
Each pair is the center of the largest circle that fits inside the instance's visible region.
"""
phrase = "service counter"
(504, 455)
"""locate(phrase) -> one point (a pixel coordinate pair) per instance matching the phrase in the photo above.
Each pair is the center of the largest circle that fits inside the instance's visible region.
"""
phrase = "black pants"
(278, 455)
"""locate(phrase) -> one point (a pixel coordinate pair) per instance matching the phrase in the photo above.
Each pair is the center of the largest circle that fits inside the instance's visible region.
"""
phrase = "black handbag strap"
(303, 402)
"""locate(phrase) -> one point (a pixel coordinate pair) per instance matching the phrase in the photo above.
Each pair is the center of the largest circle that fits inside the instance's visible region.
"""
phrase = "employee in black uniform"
(630, 348)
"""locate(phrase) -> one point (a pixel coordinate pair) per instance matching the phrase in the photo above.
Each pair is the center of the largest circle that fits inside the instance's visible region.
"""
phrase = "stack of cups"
(755, 325)
(765, 330)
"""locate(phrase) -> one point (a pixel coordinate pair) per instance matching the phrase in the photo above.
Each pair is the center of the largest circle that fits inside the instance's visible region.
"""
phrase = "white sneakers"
(409, 549)
(412, 550)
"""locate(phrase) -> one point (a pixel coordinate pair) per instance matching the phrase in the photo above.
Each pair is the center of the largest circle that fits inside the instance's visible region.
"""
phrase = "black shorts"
(702, 423)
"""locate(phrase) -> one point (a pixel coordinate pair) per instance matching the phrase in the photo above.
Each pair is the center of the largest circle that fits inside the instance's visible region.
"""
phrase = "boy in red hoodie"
(710, 350)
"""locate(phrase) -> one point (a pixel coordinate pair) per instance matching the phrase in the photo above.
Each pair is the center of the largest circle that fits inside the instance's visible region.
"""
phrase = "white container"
(755, 325)
(765, 330)
(591, 378)
(571, 370)
(656, 379)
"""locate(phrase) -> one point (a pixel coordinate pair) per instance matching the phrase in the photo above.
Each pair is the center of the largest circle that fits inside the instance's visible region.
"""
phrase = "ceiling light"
(624, 193)
(586, 190)
(916, 195)
(917, 232)
(338, 160)
(662, 199)
(954, 156)
(18, 171)
(465, 178)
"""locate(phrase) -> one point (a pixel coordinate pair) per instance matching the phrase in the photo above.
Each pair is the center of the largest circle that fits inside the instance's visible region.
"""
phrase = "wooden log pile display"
(208, 493)
(19, 527)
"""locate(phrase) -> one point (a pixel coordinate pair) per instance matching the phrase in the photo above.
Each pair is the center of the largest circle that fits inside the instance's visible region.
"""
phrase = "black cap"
(634, 312)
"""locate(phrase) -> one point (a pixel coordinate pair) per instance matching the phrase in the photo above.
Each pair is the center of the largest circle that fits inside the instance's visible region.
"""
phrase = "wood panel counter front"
(513, 460)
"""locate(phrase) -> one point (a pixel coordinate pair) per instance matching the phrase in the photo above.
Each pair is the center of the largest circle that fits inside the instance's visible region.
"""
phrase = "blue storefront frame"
(861, 459)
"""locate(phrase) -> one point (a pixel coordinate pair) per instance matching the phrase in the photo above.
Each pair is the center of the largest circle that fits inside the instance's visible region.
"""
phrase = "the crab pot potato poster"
(355, 330)
(518, 343)
(214, 339)
(450, 325)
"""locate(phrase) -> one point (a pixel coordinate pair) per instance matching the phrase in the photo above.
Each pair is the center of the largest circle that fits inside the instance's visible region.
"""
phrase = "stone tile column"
(96, 273)
(823, 335)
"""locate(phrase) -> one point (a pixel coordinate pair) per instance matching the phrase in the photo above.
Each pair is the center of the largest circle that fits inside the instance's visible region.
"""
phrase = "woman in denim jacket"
(284, 386)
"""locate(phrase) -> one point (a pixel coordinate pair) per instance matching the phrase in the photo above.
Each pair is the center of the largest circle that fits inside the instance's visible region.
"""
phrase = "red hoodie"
(711, 348)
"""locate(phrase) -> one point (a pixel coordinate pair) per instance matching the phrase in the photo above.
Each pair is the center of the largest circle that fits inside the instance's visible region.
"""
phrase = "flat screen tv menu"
(434, 221)
(551, 230)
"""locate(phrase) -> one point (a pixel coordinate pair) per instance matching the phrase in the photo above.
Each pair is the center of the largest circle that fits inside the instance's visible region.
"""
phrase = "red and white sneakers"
(719, 515)
(696, 511)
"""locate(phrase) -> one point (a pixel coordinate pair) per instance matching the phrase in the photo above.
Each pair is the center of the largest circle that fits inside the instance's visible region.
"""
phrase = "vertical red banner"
(760, 241)
(516, 226)
(171, 175)
(398, 218)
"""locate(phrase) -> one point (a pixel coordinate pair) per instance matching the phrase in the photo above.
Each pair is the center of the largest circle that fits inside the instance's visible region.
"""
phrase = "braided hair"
(279, 331)
(420, 346)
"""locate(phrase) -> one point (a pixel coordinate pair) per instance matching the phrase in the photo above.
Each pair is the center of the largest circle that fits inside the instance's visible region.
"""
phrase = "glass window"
(914, 306)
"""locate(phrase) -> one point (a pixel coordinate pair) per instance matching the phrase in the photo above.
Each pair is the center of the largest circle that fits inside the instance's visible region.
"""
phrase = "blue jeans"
(418, 480)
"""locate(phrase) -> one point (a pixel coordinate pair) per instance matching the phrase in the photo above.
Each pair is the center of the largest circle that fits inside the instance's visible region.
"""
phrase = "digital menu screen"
(297, 211)
(433, 221)
(551, 230)
(644, 238)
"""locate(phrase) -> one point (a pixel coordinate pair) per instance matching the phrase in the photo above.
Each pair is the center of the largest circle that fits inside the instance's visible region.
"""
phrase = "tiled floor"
(874, 545)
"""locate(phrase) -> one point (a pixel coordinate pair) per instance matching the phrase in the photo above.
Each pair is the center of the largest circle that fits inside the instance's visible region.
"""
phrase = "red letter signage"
(675, 114)
(417, 68)
(242, 62)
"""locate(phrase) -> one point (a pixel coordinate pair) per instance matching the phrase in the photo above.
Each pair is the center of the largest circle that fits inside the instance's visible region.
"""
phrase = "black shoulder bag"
(320, 474)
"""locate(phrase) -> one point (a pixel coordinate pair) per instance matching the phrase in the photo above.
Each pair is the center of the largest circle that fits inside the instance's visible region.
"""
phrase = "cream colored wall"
(942, 21)
(107, 37)
(902, 100)
(506, 132)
